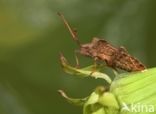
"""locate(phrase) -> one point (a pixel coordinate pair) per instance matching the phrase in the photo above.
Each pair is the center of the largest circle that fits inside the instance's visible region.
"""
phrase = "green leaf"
(83, 72)
(126, 92)
(101, 102)
(108, 99)
(78, 102)
(136, 89)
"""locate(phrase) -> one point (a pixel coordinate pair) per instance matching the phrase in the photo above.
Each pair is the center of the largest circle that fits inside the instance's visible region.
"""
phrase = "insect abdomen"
(128, 63)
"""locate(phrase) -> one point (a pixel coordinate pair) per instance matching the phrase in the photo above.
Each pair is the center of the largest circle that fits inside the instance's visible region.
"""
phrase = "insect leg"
(77, 60)
(94, 66)
(121, 48)
(115, 71)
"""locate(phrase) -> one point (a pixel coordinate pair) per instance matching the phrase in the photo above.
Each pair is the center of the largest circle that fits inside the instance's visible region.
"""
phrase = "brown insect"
(99, 49)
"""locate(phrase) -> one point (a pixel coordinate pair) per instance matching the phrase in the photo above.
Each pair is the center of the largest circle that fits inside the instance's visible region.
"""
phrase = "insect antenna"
(72, 31)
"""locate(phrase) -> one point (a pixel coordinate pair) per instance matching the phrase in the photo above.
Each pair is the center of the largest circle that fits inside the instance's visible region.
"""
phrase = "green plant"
(128, 93)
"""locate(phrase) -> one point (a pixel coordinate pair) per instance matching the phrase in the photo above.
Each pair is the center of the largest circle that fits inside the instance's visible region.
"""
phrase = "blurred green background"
(32, 35)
